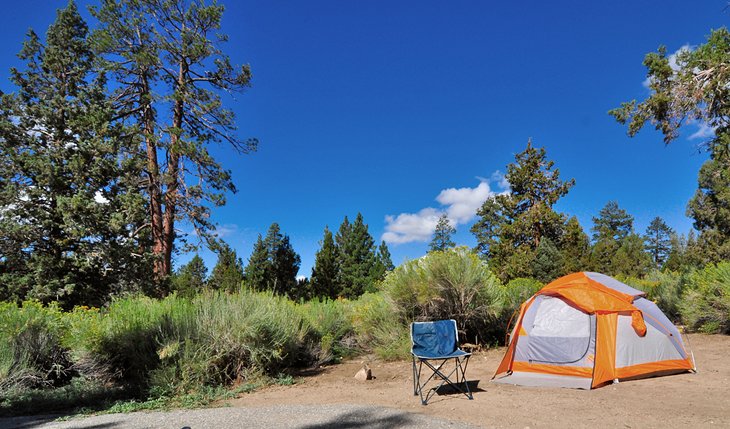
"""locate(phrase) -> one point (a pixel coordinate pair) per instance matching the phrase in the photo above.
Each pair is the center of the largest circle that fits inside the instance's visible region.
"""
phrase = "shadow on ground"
(29, 422)
(364, 418)
(33, 408)
(450, 390)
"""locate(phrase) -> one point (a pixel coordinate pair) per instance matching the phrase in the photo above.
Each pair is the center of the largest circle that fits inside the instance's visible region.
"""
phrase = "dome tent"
(586, 329)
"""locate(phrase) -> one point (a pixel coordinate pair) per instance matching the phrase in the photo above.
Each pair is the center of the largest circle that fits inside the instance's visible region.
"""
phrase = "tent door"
(560, 334)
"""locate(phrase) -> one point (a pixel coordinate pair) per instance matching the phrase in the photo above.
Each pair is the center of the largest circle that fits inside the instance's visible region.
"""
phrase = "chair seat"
(455, 354)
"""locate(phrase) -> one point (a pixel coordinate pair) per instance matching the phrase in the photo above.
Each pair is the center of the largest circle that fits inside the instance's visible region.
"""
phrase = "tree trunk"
(153, 185)
(173, 165)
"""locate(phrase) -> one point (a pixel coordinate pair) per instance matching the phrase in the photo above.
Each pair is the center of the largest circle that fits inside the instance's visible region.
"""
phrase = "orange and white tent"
(584, 330)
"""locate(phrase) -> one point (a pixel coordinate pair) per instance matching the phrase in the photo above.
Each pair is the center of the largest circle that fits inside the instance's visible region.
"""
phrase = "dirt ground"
(684, 400)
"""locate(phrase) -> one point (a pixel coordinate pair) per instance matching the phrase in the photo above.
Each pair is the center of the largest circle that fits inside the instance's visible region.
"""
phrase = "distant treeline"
(347, 265)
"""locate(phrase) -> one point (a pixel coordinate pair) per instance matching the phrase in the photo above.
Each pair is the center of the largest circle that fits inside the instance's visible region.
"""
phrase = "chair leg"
(415, 377)
(417, 385)
(459, 371)
(463, 376)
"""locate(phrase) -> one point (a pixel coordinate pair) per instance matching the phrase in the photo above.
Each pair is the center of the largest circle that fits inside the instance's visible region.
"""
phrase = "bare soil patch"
(684, 400)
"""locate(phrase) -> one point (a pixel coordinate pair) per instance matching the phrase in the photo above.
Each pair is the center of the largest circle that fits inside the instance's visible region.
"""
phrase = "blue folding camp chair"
(438, 341)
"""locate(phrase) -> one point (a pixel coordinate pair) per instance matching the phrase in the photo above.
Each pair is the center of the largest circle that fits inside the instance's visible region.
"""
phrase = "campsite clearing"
(684, 400)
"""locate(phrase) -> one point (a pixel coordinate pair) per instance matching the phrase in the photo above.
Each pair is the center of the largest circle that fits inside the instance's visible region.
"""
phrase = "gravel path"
(280, 416)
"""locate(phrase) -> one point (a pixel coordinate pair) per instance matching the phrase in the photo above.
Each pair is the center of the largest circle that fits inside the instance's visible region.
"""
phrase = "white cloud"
(463, 203)
(704, 131)
(459, 204)
(672, 58)
(501, 180)
(407, 227)
(226, 230)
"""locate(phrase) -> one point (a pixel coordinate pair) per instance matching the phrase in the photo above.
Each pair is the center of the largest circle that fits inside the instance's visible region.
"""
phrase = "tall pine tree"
(548, 263)
(384, 257)
(511, 226)
(70, 212)
(227, 273)
(284, 262)
(383, 263)
(658, 241)
(169, 67)
(343, 233)
(324, 281)
(190, 279)
(610, 228)
(273, 264)
(612, 222)
(356, 257)
(630, 259)
(442, 235)
(575, 247)
(257, 270)
(677, 253)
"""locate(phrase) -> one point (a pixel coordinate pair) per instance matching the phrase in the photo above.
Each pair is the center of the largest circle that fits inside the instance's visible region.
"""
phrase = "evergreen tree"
(710, 205)
(257, 270)
(273, 264)
(303, 290)
(442, 235)
(575, 247)
(695, 255)
(676, 260)
(190, 278)
(548, 264)
(227, 274)
(383, 263)
(612, 223)
(343, 234)
(610, 230)
(70, 213)
(691, 87)
(169, 71)
(658, 241)
(488, 227)
(326, 269)
(511, 226)
(602, 254)
(356, 258)
(630, 259)
(384, 257)
(284, 262)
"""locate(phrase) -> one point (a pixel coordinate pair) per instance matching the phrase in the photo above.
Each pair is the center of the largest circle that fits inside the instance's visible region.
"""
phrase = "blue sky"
(403, 110)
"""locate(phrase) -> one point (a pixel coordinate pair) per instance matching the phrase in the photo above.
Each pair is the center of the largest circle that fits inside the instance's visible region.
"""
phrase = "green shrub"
(664, 288)
(120, 343)
(31, 354)
(332, 324)
(452, 284)
(181, 347)
(379, 328)
(705, 306)
(177, 345)
(241, 335)
(518, 291)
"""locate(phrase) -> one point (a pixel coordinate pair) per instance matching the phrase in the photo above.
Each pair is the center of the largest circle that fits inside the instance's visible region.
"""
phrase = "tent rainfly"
(584, 330)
